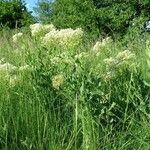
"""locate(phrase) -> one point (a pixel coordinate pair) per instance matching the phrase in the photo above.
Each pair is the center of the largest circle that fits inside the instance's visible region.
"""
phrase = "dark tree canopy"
(96, 16)
(13, 13)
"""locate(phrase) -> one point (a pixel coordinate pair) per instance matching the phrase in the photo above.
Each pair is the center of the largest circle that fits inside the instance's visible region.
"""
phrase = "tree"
(97, 16)
(43, 10)
(73, 14)
(118, 15)
(13, 13)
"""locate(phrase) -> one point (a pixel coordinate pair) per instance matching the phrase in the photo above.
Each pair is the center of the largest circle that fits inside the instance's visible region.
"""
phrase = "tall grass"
(95, 103)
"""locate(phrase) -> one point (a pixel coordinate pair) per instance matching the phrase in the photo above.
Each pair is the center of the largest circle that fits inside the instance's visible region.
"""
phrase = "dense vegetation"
(13, 13)
(59, 92)
(94, 16)
(62, 90)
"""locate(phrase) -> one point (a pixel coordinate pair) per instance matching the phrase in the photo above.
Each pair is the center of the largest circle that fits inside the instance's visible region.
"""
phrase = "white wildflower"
(13, 80)
(125, 55)
(63, 37)
(110, 61)
(105, 41)
(97, 46)
(16, 37)
(48, 27)
(55, 60)
(25, 67)
(37, 28)
(57, 81)
(7, 67)
(49, 37)
(69, 33)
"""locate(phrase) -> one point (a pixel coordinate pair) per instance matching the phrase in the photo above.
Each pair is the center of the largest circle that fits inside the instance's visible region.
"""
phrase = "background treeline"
(103, 17)
(13, 14)
(96, 16)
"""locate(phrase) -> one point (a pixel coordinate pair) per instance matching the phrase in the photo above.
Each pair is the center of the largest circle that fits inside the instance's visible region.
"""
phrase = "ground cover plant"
(59, 91)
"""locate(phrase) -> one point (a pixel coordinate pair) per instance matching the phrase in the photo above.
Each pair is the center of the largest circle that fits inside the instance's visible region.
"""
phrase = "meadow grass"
(60, 97)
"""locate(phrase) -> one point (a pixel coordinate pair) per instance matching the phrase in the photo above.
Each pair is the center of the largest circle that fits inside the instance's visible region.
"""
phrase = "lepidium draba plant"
(17, 37)
(66, 39)
(116, 82)
(38, 29)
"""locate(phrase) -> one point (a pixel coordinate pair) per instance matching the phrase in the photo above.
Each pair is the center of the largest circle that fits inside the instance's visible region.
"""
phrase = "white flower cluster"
(125, 55)
(55, 60)
(10, 72)
(38, 29)
(63, 37)
(111, 61)
(121, 59)
(99, 45)
(7, 67)
(24, 68)
(57, 81)
(17, 78)
(16, 37)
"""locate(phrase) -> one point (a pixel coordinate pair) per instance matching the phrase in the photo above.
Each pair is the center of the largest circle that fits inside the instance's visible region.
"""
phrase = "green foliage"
(43, 10)
(96, 17)
(60, 92)
(116, 16)
(63, 96)
(13, 13)
(147, 64)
